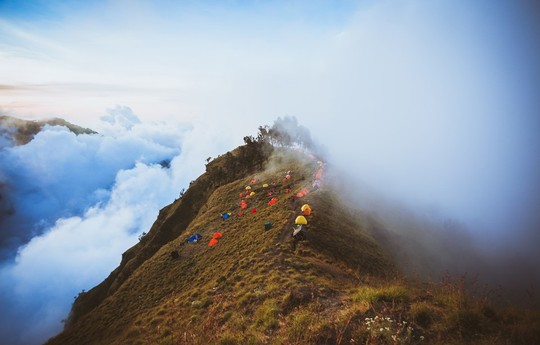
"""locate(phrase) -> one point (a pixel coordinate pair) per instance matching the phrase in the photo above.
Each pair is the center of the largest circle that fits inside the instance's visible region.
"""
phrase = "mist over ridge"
(427, 112)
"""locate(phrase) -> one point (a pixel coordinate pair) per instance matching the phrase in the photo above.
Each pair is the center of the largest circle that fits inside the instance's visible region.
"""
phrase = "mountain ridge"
(21, 132)
(259, 286)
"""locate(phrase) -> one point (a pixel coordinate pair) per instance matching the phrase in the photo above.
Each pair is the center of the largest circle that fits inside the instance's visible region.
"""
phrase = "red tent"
(212, 242)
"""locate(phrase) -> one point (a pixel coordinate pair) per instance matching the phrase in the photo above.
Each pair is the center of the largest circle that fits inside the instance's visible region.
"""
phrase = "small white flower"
(421, 337)
(387, 328)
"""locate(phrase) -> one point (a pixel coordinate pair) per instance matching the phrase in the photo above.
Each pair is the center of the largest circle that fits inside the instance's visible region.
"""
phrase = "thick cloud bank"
(88, 198)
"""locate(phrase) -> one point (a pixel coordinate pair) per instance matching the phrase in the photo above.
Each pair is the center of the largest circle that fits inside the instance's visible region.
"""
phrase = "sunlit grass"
(337, 287)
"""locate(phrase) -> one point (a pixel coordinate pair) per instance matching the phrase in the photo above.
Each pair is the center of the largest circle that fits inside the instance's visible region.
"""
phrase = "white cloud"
(98, 193)
(79, 252)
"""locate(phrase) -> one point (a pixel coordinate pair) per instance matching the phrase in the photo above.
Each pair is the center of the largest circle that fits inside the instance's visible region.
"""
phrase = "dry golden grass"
(253, 287)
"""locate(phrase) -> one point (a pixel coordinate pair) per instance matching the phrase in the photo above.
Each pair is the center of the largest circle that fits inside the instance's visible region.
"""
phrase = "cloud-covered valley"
(77, 203)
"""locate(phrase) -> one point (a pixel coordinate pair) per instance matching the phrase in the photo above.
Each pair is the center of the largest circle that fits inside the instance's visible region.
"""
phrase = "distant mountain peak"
(21, 132)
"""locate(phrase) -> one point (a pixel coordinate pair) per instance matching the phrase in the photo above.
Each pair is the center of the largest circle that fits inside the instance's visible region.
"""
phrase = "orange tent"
(212, 242)
(302, 193)
(272, 201)
(217, 235)
(319, 174)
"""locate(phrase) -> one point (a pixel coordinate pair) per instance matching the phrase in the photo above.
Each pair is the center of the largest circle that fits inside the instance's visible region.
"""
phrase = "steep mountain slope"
(258, 286)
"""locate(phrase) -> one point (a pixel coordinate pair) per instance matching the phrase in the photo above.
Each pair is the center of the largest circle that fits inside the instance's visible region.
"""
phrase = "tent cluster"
(268, 192)
(299, 232)
(249, 193)
(215, 238)
(198, 237)
(316, 184)
(302, 193)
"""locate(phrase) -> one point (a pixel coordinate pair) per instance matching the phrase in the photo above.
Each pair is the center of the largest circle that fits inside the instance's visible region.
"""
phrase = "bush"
(423, 314)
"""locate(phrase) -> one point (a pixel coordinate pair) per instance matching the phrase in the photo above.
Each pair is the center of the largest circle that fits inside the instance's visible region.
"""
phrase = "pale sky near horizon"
(166, 60)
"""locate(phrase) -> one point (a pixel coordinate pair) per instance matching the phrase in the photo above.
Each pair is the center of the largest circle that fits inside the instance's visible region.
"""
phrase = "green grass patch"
(267, 316)
(392, 293)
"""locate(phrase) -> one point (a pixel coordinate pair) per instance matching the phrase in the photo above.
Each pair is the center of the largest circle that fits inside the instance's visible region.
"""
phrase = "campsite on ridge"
(223, 265)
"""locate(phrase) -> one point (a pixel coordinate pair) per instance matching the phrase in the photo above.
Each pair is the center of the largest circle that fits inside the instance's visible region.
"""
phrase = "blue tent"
(226, 215)
(194, 238)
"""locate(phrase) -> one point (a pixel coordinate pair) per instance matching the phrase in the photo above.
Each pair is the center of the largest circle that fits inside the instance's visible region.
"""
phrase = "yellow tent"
(248, 188)
(304, 207)
(300, 220)
(306, 210)
(265, 185)
(252, 194)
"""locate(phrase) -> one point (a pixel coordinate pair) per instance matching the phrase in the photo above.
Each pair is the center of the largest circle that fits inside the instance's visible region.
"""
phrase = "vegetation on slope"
(173, 220)
(254, 287)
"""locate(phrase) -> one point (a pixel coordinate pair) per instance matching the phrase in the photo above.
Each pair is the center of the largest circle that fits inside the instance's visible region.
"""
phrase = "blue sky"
(432, 103)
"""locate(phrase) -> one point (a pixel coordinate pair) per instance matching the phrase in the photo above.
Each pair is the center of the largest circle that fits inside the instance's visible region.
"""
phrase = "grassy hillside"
(257, 286)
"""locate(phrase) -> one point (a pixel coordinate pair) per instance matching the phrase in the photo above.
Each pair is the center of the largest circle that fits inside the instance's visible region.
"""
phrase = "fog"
(429, 111)
(436, 132)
